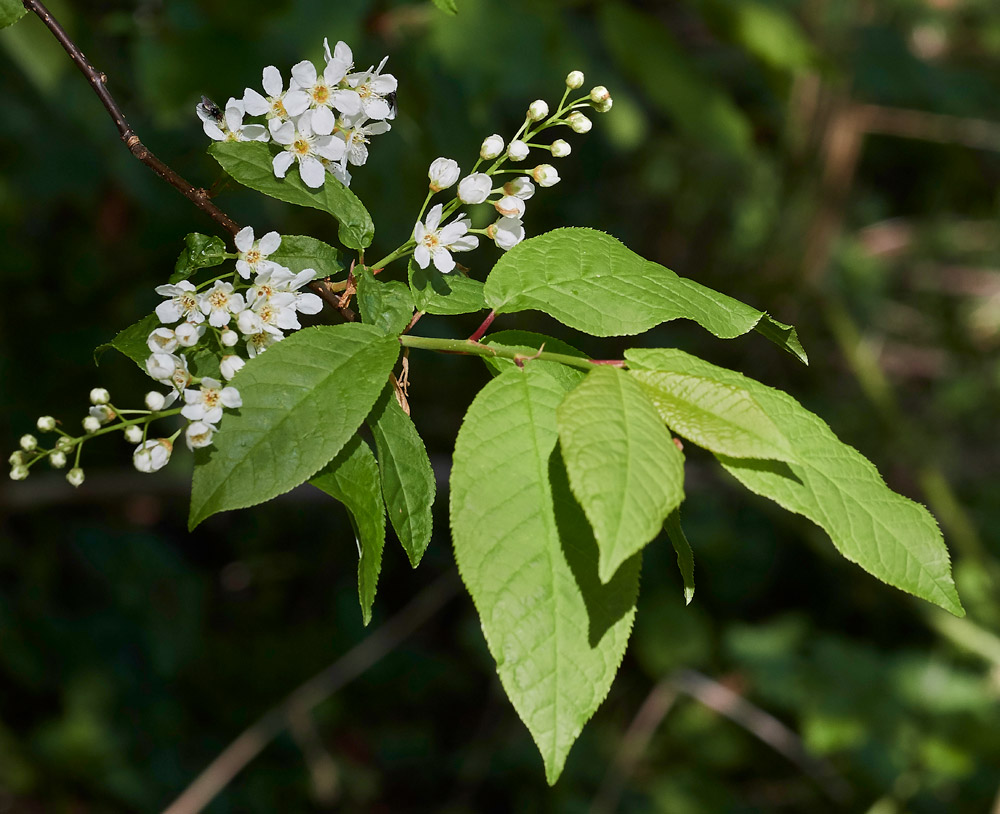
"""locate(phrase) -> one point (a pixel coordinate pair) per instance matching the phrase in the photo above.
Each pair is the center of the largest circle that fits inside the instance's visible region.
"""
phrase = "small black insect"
(207, 109)
(390, 98)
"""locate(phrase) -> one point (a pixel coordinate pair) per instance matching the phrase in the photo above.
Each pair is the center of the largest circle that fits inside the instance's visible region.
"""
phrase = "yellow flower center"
(253, 257)
(278, 108)
(300, 146)
(321, 94)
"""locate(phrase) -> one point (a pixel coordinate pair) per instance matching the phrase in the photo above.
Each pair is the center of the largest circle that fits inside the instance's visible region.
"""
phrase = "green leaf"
(589, 281)
(249, 162)
(131, 341)
(408, 485)
(10, 12)
(529, 560)
(437, 293)
(302, 401)
(622, 462)
(720, 417)
(201, 251)
(832, 484)
(300, 252)
(528, 343)
(685, 557)
(388, 305)
(352, 478)
(447, 6)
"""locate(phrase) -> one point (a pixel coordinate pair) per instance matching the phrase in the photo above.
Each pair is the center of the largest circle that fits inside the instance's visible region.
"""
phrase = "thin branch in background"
(98, 81)
(220, 772)
(323, 769)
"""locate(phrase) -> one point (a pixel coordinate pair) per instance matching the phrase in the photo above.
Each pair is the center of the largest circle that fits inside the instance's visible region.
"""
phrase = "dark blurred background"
(835, 162)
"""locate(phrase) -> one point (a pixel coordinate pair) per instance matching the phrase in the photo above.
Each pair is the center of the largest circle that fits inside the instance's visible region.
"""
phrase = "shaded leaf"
(388, 305)
(131, 341)
(201, 251)
(300, 252)
(13, 10)
(437, 293)
(685, 557)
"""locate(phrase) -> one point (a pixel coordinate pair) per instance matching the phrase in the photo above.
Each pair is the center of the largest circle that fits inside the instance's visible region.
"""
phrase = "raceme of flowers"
(322, 121)
(434, 241)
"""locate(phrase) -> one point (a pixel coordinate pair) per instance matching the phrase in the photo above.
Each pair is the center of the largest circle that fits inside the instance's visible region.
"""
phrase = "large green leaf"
(408, 485)
(200, 251)
(352, 478)
(388, 305)
(622, 462)
(131, 341)
(529, 560)
(449, 294)
(249, 162)
(10, 12)
(720, 417)
(302, 401)
(831, 483)
(589, 281)
(300, 252)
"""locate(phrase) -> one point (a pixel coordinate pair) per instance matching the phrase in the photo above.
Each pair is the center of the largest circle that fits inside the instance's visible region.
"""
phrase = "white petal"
(304, 73)
(254, 132)
(422, 256)
(269, 243)
(452, 232)
(465, 244)
(334, 72)
(312, 172)
(308, 304)
(234, 116)
(213, 132)
(168, 312)
(256, 105)
(271, 81)
(377, 108)
(323, 121)
(282, 132)
(347, 102)
(377, 128)
(282, 161)
(383, 85)
(244, 269)
(296, 102)
(443, 261)
(330, 148)
(433, 218)
(244, 239)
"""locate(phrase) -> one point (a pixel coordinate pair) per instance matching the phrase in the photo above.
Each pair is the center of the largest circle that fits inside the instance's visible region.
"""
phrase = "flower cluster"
(322, 122)
(435, 243)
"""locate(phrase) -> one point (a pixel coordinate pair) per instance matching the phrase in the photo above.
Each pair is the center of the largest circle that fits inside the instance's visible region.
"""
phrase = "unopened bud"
(46, 423)
(57, 460)
(188, 334)
(443, 173)
(28, 442)
(16, 458)
(546, 175)
(19, 472)
(605, 106)
(492, 147)
(75, 476)
(133, 434)
(230, 366)
(599, 94)
(155, 401)
(561, 148)
(579, 123)
(229, 337)
(91, 424)
(510, 207)
(574, 80)
(518, 150)
(99, 396)
(538, 110)
(64, 444)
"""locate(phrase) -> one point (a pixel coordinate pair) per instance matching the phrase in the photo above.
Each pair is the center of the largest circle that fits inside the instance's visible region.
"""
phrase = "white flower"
(546, 175)
(91, 424)
(579, 123)
(373, 87)
(231, 127)
(180, 378)
(342, 57)
(561, 148)
(277, 104)
(230, 366)
(198, 434)
(219, 303)
(324, 94)
(574, 79)
(475, 188)
(182, 302)
(152, 455)
(252, 255)
(206, 403)
(506, 232)
(75, 476)
(249, 323)
(260, 342)
(188, 334)
(510, 207)
(162, 340)
(57, 460)
(437, 244)
(277, 312)
(492, 147)
(356, 134)
(520, 187)
(303, 145)
(517, 150)
(161, 366)
(281, 279)
(46, 423)
(28, 442)
(155, 401)
(538, 110)
(133, 434)
(443, 173)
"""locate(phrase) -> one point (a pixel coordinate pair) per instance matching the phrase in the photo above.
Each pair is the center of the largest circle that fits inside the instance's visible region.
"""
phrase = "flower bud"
(546, 175)
(161, 366)
(155, 401)
(133, 434)
(99, 396)
(561, 148)
(574, 80)
(162, 340)
(605, 106)
(229, 337)
(579, 123)
(521, 187)
(18, 472)
(599, 94)
(102, 413)
(152, 455)
(510, 207)
(28, 442)
(506, 232)
(91, 424)
(16, 458)
(46, 423)
(75, 476)
(475, 188)
(538, 110)
(230, 366)
(188, 334)
(443, 173)
(198, 434)
(64, 444)
(492, 147)
(57, 459)
(249, 322)
(518, 150)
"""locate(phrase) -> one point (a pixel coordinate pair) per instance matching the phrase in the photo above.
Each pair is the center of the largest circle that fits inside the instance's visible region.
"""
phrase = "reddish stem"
(482, 329)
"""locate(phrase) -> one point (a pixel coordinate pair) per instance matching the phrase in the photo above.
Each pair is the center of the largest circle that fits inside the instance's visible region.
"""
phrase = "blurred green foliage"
(132, 652)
